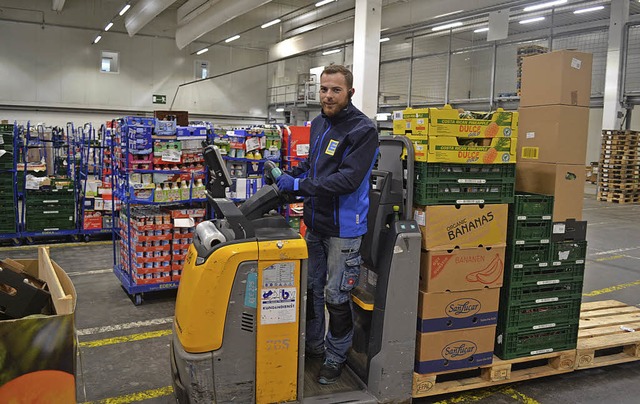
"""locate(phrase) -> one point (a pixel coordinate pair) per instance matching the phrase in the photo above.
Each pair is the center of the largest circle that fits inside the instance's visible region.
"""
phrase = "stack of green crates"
(51, 208)
(7, 181)
(453, 183)
(541, 295)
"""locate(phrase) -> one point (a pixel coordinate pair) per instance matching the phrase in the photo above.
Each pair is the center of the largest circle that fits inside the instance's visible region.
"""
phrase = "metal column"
(612, 84)
(366, 55)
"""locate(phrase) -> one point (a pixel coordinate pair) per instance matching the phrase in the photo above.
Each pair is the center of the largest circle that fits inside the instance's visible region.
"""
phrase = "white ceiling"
(216, 20)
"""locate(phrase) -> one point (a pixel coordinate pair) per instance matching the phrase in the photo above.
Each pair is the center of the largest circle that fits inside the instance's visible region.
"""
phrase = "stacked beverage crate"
(541, 296)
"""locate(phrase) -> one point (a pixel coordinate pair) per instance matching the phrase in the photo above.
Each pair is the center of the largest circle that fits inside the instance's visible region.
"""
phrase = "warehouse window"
(201, 69)
(109, 62)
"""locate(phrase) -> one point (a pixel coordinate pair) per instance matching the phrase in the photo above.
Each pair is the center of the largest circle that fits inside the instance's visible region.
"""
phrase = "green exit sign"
(159, 99)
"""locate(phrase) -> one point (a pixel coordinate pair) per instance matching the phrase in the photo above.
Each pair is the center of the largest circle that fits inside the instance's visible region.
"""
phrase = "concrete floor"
(136, 368)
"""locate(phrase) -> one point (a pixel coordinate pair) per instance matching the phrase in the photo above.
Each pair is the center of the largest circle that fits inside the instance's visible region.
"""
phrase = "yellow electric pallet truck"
(239, 324)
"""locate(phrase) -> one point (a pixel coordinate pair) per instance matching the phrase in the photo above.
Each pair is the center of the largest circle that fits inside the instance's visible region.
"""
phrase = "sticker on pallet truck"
(278, 305)
(278, 300)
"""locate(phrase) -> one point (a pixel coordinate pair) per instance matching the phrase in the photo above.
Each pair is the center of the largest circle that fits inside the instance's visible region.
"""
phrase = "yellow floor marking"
(125, 338)
(614, 257)
(519, 396)
(611, 289)
(134, 397)
(472, 396)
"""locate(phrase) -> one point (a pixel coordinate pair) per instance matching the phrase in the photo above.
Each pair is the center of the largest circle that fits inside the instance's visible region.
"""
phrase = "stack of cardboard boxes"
(461, 272)
(464, 180)
(554, 124)
(546, 243)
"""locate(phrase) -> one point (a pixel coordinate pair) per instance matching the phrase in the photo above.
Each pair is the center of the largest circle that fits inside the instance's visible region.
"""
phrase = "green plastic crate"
(519, 344)
(541, 294)
(435, 172)
(452, 193)
(49, 224)
(533, 317)
(524, 254)
(40, 197)
(568, 251)
(6, 128)
(536, 275)
(531, 206)
(530, 230)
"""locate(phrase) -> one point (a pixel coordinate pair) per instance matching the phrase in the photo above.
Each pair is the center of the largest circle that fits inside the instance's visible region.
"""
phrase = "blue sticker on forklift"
(251, 292)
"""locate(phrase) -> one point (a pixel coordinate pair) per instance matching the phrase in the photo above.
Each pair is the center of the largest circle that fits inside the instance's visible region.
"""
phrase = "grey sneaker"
(329, 372)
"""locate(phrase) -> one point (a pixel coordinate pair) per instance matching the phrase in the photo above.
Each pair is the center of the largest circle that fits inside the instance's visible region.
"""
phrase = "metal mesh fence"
(632, 79)
(471, 74)
(429, 79)
(394, 83)
(595, 42)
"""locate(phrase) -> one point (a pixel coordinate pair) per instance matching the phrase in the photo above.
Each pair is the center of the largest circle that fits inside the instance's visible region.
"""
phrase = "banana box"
(479, 150)
(455, 310)
(460, 269)
(450, 122)
(462, 226)
(413, 123)
(455, 349)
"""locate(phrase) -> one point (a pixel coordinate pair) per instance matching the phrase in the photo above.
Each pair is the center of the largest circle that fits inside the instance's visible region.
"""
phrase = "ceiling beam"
(143, 13)
(57, 5)
(400, 14)
(217, 14)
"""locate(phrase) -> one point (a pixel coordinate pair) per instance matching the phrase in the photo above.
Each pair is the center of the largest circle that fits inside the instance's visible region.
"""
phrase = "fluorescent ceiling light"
(545, 5)
(588, 10)
(331, 52)
(270, 23)
(279, 109)
(447, 26)
(201, 51)
(447, 14)
(125, 9)
(384, 39)
(323, 2)
(98, 38)
(484, 29)
(530, 20)
(233, 38)
(108, 27)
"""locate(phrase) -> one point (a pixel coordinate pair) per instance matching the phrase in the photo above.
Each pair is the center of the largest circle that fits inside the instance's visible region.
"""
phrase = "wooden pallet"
(499, 372)
(604, 338)
(604, 335)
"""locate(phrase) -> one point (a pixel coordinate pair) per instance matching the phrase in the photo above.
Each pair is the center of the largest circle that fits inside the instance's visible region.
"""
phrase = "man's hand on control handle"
(285, 183)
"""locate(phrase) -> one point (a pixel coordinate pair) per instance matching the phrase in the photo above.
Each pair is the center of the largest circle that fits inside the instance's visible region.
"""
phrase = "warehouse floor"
(124, 349)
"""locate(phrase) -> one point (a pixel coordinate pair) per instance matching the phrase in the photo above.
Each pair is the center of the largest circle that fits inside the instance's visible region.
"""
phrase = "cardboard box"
(564, 181)
(569, 84)
(455, 310)
(460, 269)
(553, 134)
(44, 347)
(463, 226)
(447, 122)
(92, 221)
(449, 149)
(411, 122)
(456, 349)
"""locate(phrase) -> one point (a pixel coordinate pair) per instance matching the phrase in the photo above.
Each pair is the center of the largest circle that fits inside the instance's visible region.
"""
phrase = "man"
(334, 180)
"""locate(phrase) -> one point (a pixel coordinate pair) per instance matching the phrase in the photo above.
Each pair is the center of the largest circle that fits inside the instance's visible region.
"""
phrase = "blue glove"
(285, 183)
